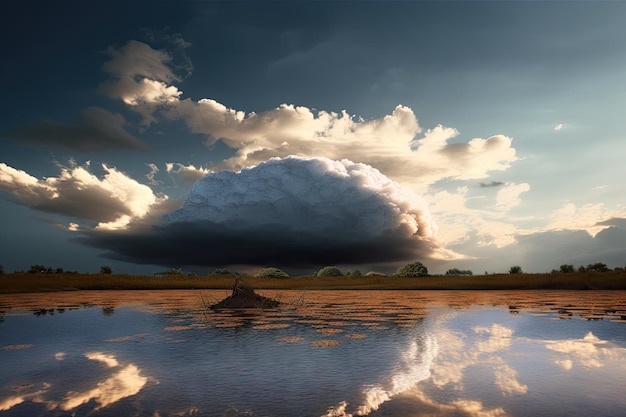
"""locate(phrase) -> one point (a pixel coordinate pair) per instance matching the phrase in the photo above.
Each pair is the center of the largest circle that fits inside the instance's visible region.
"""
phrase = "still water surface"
(323, 353)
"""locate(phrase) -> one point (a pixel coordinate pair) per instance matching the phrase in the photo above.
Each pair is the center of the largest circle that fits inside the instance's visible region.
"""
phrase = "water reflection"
(332, 353)
(124, 382)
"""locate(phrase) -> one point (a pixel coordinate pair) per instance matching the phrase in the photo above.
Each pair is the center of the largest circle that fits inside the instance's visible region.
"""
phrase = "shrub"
(355, 273)
(415, 269)
(170, 272)
(516, 270)
(329, 271)
(375, 274)
(38, 269)
(566, 268)
(221, 271)
(456, 271)
(271, 273)
(106, 269)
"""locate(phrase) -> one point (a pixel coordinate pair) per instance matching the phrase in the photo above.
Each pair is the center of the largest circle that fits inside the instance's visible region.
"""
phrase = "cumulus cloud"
(509, 196)
(293, 212)
(96, 130)
(388, 143)
(188, 173)
(559, 127)
(140, 78)
(143, 80)
(111, 201)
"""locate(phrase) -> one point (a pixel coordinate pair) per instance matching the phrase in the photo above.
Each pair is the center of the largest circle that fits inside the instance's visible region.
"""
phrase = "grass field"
(24, 282)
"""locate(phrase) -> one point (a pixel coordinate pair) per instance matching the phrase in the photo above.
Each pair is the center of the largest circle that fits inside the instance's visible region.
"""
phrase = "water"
(324, 353)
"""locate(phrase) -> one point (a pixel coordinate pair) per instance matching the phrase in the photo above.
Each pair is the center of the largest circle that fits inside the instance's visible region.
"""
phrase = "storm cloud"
(95, 130)
(290, 212)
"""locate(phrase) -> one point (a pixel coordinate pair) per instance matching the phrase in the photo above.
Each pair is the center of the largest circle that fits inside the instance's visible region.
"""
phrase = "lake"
(322, 353)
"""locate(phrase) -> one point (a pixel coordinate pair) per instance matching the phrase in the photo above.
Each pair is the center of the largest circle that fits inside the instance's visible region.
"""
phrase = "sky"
(366, 135)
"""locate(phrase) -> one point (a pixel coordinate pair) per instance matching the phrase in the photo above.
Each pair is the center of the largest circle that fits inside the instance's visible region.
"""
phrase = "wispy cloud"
(558, 127)
(95, 130)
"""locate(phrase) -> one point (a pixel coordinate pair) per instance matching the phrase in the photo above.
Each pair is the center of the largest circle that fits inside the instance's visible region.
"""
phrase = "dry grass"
(24, 282)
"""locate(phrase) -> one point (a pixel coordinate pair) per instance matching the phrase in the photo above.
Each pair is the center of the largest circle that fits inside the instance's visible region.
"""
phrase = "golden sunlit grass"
(25, 282)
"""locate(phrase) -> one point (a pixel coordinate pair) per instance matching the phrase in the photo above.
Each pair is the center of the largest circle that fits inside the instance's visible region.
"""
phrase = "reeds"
(24, 282)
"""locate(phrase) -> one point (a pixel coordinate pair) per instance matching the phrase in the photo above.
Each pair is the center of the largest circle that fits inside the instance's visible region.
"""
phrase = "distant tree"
(516, 270)
(456, 271)
(271, 273)
(170, 272)
(375, 274)
(1, 269)
(354, 273)
(415, 269)
(566, 268)
(329, 271)
(598, 267)
(221, 271)
(106, 269)
(58, 271)
(37, 269)
(582, 269)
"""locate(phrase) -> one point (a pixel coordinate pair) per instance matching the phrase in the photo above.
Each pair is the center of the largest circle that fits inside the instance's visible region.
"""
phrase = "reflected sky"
(323, 353)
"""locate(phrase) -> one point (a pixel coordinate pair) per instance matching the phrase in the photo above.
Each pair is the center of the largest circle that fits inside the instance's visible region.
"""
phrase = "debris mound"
(243, 296)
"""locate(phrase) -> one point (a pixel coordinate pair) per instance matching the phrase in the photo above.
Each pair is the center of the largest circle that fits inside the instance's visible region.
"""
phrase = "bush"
(415, 269)
(566, 268)
(271, 273)
(355, 273)
(170, 272)
(329, 271)
(516, 270)
(106, 269)
(375, 274)
(456, 271)
(221, 271)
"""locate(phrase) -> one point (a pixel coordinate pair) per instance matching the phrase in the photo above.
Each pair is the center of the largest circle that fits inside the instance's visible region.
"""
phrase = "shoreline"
(30, 283)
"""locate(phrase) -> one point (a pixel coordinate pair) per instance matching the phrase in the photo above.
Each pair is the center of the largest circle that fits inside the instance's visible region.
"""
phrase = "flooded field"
(322, 353)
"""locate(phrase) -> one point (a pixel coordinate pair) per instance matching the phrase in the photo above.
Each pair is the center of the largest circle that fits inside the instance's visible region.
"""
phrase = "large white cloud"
(111, 201)
(291, 212)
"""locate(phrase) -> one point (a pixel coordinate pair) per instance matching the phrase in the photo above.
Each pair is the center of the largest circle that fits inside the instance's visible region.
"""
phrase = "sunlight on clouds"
(587, 217)
(559, 127)
(388, 143)
(509, 195)
(112, 201)
(458, 222)
(188, 173)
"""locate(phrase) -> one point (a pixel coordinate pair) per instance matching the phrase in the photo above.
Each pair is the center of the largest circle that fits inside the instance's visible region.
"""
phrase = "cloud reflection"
(588, 352)
(414, 367)
(125, 382)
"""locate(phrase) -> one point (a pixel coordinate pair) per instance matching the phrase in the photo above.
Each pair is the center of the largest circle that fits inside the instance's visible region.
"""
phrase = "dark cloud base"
(216, 245)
